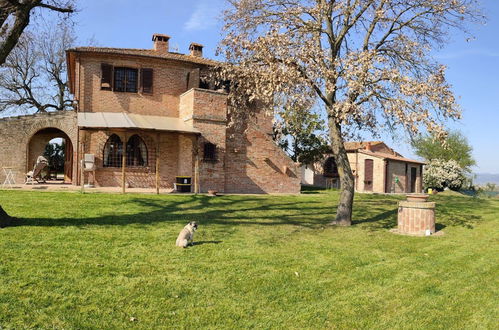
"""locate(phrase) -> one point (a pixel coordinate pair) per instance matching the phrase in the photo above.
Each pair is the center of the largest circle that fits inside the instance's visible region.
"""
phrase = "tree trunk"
(10, 40)
(5, 219)
(345, 204)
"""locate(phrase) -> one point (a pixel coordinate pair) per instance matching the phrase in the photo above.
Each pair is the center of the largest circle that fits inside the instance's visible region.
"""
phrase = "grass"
(109, 261)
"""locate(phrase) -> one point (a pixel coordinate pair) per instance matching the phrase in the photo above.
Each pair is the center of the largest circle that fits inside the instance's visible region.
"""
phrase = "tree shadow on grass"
(208, 210)
(382, 220)
(450, 211)
(369, 212)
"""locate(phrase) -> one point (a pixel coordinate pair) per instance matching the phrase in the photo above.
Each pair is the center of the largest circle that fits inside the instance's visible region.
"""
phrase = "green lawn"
(98, 260)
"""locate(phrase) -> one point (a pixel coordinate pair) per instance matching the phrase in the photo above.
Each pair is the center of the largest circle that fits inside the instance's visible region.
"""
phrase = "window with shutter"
(125, 80)
(147, 79)
(106, 77)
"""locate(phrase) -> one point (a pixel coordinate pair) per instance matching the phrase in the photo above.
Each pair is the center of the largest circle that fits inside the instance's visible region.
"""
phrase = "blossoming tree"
(367, 61)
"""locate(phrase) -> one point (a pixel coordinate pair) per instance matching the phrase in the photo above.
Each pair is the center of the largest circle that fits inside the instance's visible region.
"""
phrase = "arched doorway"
(56, 146)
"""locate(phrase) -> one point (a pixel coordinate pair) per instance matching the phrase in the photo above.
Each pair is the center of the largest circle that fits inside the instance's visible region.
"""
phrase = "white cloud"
(205, 15)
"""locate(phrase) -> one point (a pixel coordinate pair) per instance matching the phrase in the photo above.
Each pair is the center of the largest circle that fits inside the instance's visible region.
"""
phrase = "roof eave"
(70, 62)
(190, 59)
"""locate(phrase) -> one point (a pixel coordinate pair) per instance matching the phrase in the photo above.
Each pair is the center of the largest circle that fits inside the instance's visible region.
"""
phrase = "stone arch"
(17, 132)
(36, 147)
(63, 122)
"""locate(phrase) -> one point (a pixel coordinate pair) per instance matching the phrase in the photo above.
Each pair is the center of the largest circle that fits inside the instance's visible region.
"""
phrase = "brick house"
(376, 168)
(147, 117)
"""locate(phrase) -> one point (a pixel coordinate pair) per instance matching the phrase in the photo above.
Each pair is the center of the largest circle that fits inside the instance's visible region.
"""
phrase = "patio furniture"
(89, 166)
(9, 177)
(35, 175)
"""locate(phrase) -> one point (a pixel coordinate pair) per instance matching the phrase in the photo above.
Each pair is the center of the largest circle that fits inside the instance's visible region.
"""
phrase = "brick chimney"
(161, 42)
(368, 146)
(196, 49)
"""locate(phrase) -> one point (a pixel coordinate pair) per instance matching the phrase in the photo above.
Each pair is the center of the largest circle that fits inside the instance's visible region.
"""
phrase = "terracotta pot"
(417, 197)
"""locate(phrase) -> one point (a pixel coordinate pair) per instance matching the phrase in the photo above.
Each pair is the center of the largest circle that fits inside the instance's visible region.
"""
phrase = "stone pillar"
(415, 218)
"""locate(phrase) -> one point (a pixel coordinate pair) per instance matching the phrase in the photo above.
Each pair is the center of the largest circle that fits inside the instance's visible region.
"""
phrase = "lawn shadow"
(439, 226)
(382, 220)
(231, 210)
(206, 242)
(449, 211)
(370, 212)
(455, 211)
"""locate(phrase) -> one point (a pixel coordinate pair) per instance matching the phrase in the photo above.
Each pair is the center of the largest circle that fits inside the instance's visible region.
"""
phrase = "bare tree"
(367, 61)
(34, 75)
(15, 17)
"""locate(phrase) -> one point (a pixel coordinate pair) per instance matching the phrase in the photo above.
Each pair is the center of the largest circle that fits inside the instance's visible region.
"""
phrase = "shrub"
(440, 174)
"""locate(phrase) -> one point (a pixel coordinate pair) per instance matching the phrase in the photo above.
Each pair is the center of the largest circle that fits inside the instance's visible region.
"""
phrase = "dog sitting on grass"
(186, 236)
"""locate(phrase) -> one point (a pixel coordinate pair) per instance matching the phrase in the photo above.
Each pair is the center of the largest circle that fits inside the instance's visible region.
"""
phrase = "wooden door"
(368, 174)
(413, 179)
(68, 162)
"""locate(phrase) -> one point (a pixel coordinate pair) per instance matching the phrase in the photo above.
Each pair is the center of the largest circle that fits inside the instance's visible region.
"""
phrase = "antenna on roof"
(175, 48)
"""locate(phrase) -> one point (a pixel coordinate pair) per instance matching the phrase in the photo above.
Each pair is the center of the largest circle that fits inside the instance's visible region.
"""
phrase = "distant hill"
(483, 178)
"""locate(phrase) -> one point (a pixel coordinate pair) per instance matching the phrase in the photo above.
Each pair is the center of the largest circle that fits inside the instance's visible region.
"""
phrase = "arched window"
(330, 168)
(136, 151)
(113, 152)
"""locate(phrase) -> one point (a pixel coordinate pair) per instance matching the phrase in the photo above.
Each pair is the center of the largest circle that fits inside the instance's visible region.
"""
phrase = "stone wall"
(18, 133)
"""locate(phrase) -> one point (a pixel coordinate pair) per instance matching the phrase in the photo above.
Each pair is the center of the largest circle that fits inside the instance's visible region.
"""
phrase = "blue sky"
(473, 67)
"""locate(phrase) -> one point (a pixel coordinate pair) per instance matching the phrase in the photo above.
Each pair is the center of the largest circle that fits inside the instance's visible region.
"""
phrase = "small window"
(146, 80)
(125, 80)
(106, 82)
(113, 152)
(136, 152)
(210, 152)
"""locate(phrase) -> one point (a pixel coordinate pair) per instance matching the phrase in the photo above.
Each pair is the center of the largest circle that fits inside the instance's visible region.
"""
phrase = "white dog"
(187, 235)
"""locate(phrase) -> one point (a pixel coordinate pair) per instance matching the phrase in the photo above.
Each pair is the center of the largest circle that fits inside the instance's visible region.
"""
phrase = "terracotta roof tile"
(390, 156)
(352, 146)
(146, 53)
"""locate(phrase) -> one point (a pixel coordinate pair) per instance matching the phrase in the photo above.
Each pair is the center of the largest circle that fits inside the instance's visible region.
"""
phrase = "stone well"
(416, 217)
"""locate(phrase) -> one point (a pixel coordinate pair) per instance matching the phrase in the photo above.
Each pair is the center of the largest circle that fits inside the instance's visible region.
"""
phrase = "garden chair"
(35, 175)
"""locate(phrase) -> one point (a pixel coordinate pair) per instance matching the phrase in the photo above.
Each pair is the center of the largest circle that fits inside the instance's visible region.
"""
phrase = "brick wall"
(169, 82)
(247, 160)
(186, 155)
(398, 169)
(378, 173)
(137, 177)
(209, 115)
(255, 164)
(16, 133)
(415, 218)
